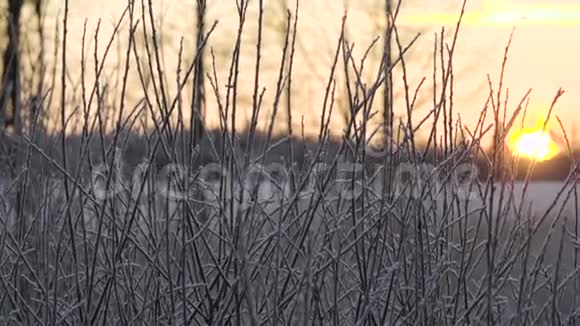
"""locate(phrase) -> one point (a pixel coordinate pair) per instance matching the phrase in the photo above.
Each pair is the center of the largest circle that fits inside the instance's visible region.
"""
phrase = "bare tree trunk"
(388, 90)
(388, 136)
(38, 12)
(198, 98)
(10, 91)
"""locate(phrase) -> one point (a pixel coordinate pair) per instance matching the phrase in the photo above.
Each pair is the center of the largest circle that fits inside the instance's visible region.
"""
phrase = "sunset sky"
(496, 12)
(544, 52)
(543, 55)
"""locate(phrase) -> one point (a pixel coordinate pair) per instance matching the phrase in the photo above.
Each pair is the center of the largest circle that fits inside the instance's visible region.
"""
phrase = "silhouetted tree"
(39, 15)
(388, 89)
(198, 96)
(10, 89)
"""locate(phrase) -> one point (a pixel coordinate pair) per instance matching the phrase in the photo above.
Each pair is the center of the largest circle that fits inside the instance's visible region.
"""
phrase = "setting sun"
(534, 143)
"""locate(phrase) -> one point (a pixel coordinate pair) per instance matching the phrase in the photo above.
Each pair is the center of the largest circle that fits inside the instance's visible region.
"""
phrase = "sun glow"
(535, 143)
